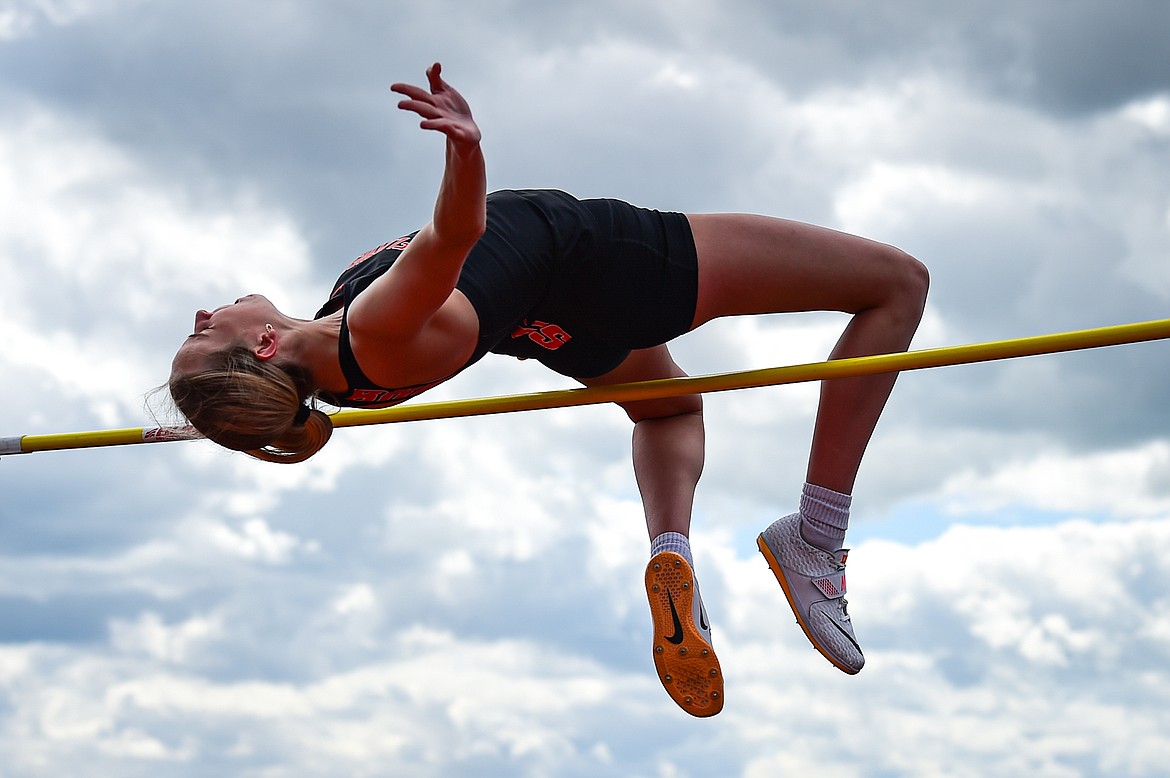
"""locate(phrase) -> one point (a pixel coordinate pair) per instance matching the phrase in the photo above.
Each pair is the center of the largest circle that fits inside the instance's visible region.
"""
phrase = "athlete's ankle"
(824, 517)
(673, 541)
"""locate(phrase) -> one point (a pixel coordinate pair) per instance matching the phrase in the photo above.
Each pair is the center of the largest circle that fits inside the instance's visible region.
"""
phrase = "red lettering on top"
(388, 396)
(395, 245)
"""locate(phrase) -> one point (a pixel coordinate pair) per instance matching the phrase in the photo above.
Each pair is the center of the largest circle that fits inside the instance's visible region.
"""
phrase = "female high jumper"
(593, 289)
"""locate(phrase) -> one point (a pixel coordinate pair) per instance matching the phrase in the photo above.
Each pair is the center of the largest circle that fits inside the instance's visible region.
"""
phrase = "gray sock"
(824, 516)
(673, 541)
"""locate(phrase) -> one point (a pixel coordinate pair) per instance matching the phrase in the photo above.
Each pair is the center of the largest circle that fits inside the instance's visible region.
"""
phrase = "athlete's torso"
(541, 288)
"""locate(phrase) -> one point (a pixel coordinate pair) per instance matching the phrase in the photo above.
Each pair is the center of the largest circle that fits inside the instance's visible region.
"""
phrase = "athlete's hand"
(442, 108)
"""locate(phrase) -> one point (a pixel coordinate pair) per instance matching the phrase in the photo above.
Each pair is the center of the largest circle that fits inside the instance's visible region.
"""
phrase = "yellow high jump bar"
(668, 387)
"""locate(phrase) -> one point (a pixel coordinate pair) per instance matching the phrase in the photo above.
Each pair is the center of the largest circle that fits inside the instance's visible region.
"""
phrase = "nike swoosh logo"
(846, 634)
(677, 637)
(703, 618)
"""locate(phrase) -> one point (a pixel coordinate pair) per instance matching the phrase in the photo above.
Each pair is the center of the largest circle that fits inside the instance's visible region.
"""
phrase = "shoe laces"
(839, 566)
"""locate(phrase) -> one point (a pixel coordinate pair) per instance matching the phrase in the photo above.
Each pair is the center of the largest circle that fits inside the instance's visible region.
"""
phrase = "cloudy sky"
(464, 597)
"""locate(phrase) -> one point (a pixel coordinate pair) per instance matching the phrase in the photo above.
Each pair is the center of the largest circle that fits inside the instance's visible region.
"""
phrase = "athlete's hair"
(251, 405)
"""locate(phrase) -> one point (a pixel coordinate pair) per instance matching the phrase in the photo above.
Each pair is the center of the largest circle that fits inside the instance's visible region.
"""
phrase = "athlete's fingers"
(434, 77)
(442, 108)
(424, 109)
(411, 91)
(442, 125)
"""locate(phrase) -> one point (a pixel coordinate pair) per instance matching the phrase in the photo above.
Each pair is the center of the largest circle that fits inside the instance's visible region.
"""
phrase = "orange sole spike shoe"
(683, 656)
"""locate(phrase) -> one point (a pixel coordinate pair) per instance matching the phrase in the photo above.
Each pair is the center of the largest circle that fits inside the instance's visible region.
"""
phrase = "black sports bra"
(361, 391)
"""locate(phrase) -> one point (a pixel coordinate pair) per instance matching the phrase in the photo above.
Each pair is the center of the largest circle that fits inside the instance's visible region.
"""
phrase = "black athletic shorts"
(578, 284)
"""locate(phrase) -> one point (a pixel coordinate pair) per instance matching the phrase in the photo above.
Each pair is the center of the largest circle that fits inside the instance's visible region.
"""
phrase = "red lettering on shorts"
(543, 334)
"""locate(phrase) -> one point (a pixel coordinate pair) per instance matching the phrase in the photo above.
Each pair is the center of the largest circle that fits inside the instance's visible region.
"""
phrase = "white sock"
(673, 541)
(824, 516)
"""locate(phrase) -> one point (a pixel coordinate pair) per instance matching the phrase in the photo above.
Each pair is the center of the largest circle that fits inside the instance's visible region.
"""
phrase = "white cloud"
(110, 240)
(358, 598)
(1152, 113)
(886, 196)
(969, 637)
(1111, 483)
(170, 643)
(21, 18)
(256, 540)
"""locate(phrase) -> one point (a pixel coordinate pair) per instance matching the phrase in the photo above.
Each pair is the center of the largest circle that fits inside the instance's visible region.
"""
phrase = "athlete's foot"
(814, 583)
(683, 656)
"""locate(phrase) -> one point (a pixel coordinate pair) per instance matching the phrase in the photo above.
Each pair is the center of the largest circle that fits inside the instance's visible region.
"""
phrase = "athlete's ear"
(268, 346)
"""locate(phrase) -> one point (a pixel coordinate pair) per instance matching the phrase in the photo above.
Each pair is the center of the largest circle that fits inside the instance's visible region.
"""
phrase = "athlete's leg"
(755, 264)
(668, 445)
(752, 265)
(668, 460)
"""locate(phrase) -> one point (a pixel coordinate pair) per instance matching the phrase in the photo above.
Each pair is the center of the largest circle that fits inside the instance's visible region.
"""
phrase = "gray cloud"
(1068, 58)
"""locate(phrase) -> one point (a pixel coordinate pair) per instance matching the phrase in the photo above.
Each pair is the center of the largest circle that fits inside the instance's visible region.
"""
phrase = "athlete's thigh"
(758, 264)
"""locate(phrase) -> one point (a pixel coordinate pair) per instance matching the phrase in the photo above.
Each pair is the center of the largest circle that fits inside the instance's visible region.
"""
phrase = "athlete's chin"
(254, 300)
(186, 362)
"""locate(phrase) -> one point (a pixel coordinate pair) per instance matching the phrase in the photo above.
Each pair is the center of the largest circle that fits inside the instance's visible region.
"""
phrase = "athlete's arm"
(410, 325)
(401, 303)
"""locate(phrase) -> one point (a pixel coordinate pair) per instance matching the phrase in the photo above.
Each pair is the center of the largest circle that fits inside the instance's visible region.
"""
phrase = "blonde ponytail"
(302, 439)
(251, 405)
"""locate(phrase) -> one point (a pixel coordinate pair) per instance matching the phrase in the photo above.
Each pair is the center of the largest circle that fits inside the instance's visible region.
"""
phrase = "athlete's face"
(243, 323)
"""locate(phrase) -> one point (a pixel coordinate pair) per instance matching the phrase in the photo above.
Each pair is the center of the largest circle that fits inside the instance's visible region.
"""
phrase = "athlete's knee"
(909, 282)
(664, 407)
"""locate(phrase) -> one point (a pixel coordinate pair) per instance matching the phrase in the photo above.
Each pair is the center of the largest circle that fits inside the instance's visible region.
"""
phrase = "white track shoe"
(814, 583)
(683, 656)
